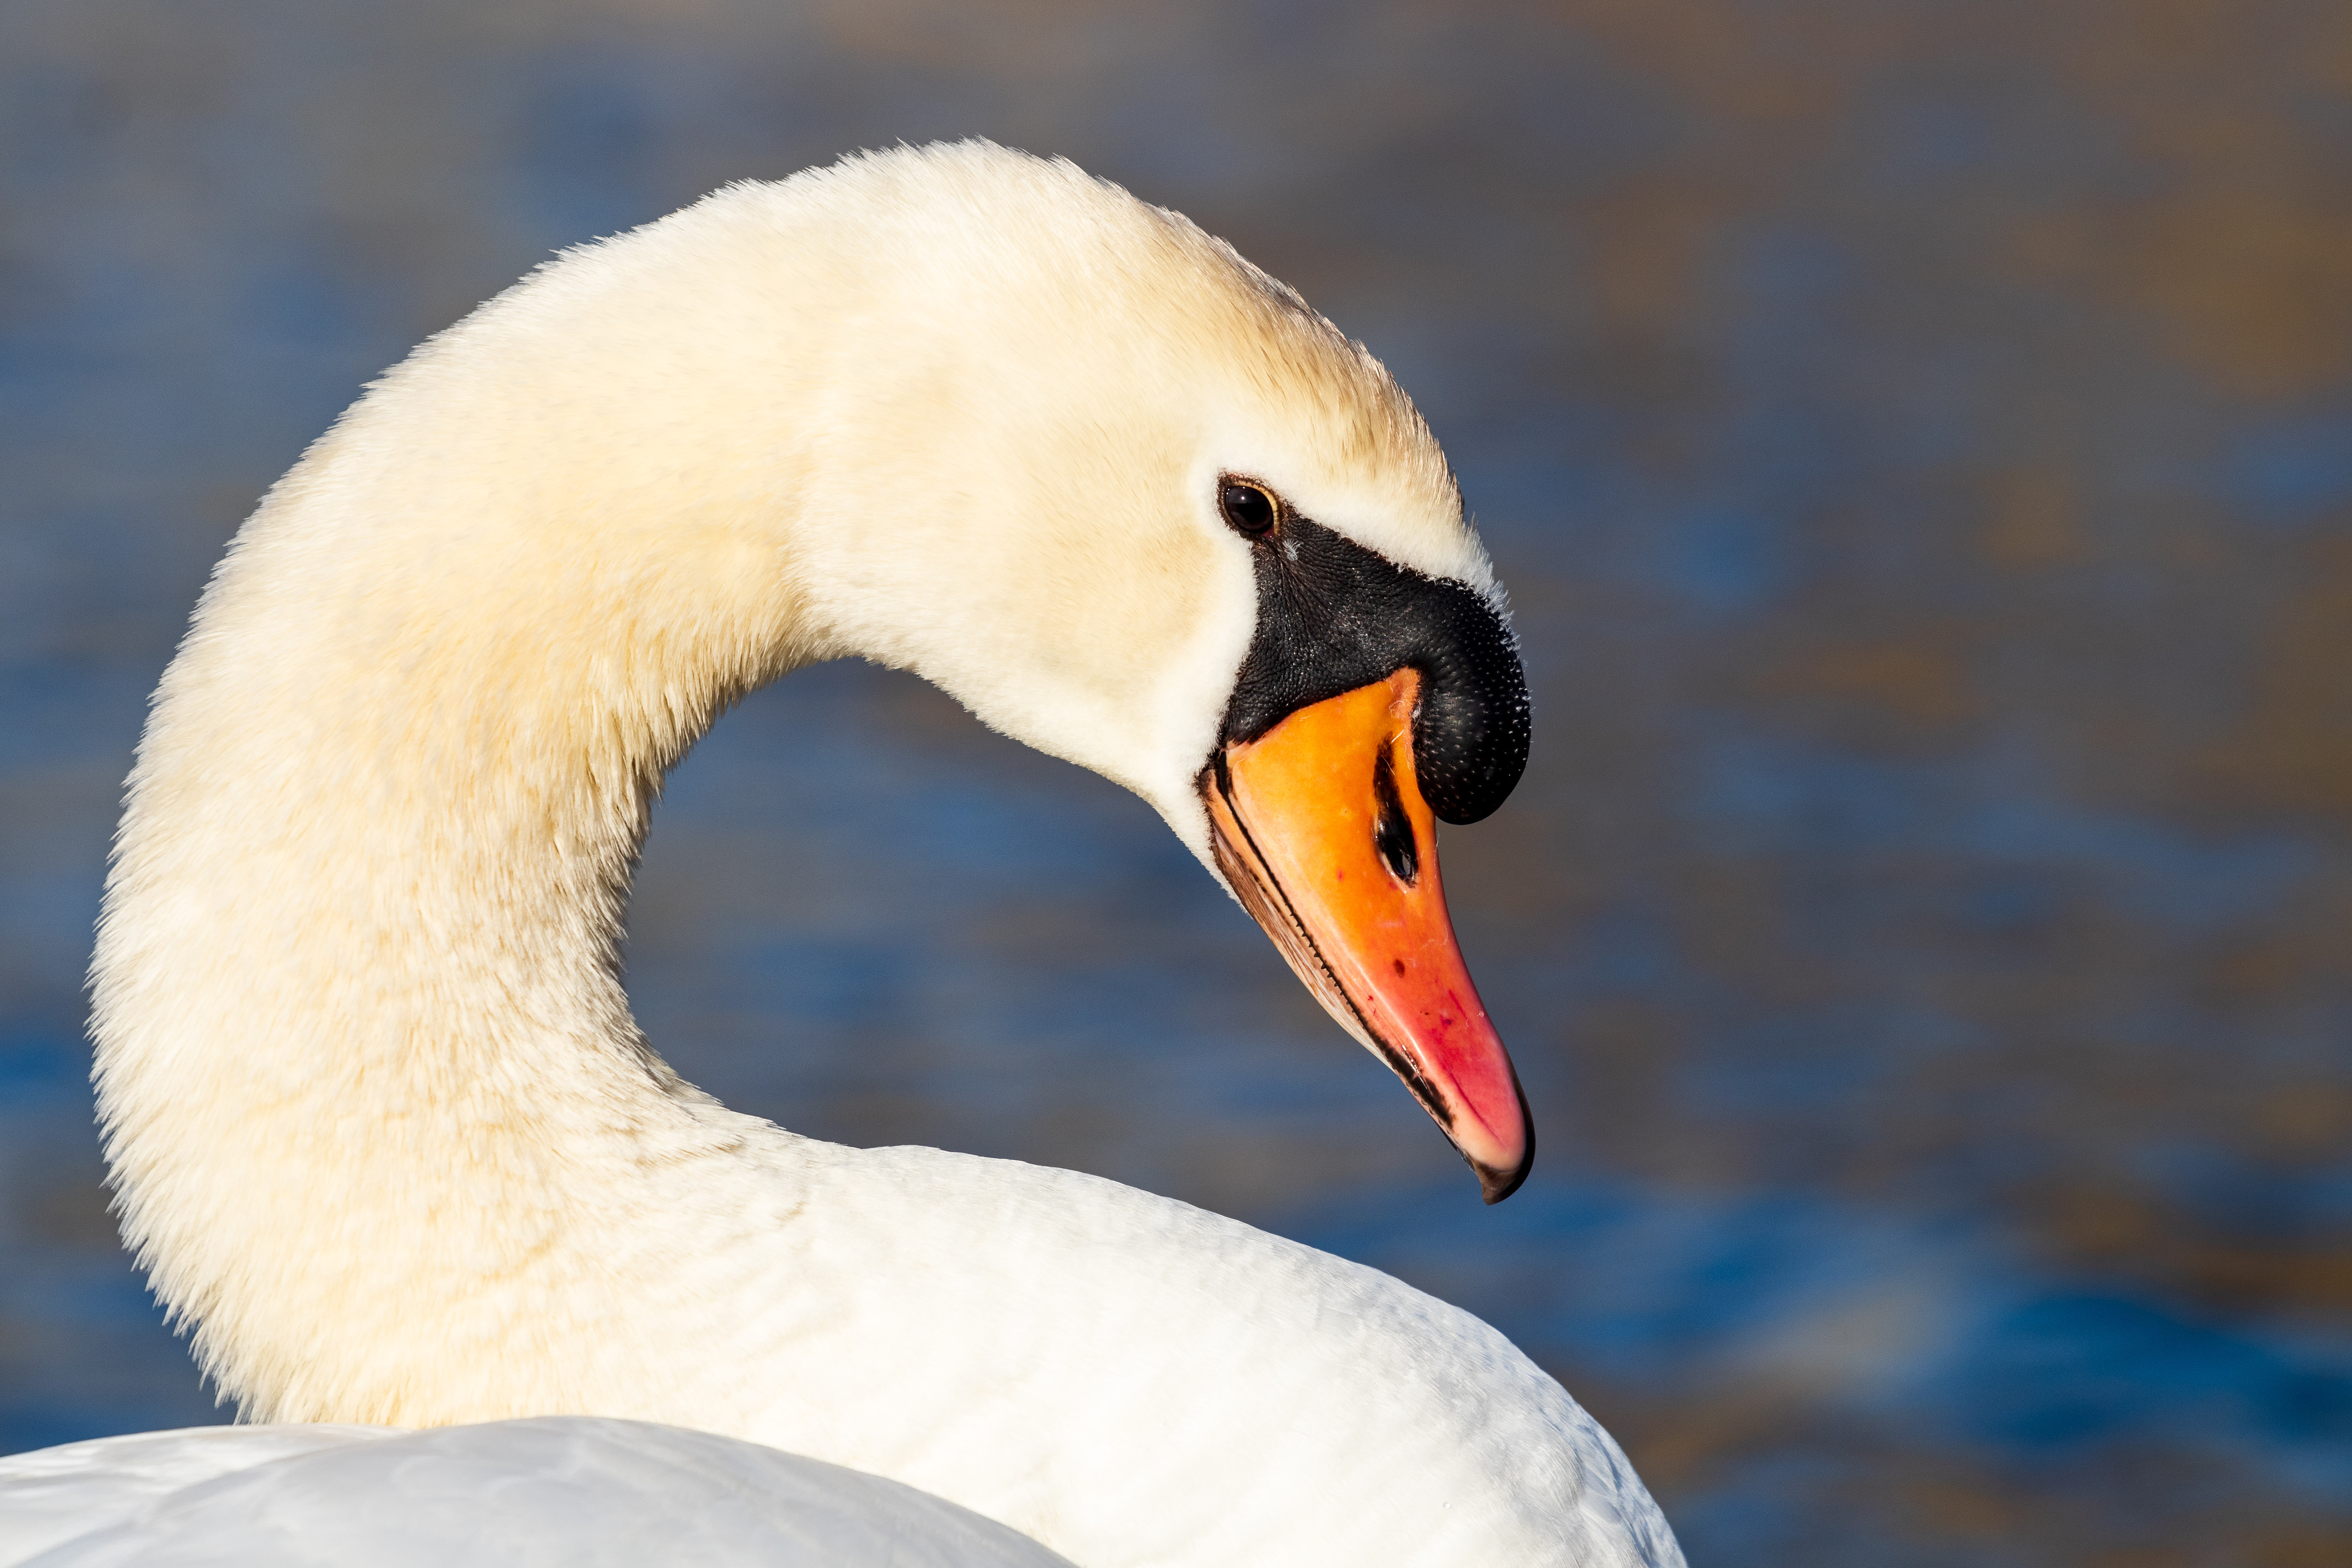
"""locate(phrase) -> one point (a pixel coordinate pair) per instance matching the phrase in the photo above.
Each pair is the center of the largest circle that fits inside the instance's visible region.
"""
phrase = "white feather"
(554, 1493)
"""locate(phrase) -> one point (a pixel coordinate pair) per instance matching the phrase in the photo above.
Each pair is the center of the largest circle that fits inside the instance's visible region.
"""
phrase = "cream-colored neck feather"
(381, 1126)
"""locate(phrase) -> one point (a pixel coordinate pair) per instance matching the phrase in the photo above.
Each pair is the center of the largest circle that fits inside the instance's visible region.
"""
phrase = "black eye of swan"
(1250, 508)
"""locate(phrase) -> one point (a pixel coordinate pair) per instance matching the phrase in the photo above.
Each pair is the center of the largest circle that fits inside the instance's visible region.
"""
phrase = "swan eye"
(1250, 508)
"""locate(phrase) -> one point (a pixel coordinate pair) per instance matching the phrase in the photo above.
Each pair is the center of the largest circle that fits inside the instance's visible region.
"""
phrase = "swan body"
(382, 1129)
(569, 1492)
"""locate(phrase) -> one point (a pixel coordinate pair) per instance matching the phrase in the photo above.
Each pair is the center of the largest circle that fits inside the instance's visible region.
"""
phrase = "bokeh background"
(1918, 437)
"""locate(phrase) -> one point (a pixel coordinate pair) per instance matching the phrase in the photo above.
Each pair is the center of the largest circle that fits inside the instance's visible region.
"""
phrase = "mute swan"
(382, 1129)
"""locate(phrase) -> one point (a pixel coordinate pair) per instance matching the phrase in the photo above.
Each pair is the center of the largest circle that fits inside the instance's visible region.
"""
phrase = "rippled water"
(1918, 442)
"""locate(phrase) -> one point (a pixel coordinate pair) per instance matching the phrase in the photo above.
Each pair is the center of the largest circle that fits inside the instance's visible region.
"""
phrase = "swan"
(380, 1128)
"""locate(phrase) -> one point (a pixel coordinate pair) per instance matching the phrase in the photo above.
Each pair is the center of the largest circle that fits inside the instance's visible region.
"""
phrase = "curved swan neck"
(373, 1094)
(363, 1052)
(370, 1081)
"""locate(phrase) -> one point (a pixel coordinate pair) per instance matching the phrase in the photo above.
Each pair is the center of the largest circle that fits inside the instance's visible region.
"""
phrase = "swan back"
(574, 1492)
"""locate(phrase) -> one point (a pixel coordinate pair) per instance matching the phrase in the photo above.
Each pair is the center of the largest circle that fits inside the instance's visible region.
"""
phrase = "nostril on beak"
(1391, 828)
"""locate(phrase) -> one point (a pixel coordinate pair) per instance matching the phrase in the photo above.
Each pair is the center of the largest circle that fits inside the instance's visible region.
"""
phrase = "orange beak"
(1319, 827)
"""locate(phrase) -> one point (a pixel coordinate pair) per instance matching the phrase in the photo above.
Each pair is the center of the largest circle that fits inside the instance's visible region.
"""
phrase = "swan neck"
(363, 1044)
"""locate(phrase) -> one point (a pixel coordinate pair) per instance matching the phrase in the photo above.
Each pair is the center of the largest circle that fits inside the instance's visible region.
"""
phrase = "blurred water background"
(1918, 437)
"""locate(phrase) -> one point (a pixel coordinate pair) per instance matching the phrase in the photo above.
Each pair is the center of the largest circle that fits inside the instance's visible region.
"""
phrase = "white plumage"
(553, 1493)
(381, 1125)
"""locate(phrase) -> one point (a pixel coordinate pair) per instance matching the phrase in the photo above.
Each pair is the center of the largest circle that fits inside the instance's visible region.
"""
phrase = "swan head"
(1133, 502)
